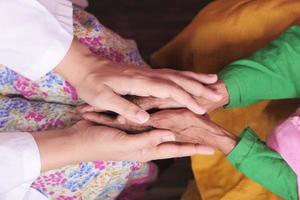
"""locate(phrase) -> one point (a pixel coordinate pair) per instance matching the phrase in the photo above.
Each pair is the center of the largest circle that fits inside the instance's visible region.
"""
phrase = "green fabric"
(266, 167)
(270, 73)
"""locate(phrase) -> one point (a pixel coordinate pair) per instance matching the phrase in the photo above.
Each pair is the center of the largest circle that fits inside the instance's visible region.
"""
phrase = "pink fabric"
(285, 139)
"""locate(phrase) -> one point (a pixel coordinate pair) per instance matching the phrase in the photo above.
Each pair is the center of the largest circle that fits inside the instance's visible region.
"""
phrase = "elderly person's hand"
(187, 126)
(87, 142)
(102, 83)
(193, 128)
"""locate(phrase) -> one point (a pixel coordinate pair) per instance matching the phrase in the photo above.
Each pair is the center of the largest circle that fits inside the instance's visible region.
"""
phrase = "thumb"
(113, 102)
(203, 78)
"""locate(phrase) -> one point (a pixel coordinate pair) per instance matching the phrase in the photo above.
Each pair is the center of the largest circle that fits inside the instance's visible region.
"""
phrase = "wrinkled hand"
(187, 126)
(104, 143)
(102, 83)
(193, 128)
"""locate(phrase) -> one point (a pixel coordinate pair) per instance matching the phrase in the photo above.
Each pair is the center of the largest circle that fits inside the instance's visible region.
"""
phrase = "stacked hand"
(187, 126)
(105, 85)
(130, 91)
(102, 84)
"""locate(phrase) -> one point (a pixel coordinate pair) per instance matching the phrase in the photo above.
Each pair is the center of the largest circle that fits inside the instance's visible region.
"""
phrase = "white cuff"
(20, 164)
(35, 35)
(62, 11)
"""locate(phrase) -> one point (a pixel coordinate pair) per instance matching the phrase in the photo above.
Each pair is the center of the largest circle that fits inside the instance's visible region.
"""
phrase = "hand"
(104, 143)
(87, 142)
(193, 128)
(147, 103)
(187, 126)
(102, 83)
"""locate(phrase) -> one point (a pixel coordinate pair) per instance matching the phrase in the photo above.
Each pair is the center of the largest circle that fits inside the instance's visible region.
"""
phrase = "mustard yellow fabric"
(191, 192)
(224, 31)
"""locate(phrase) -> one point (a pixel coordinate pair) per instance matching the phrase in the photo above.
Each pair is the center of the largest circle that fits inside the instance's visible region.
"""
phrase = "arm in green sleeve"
(264, 166)
(270, 73)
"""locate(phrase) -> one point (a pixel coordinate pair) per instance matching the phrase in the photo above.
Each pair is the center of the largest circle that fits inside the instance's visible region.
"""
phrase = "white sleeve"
(20, 164)
(35, 35)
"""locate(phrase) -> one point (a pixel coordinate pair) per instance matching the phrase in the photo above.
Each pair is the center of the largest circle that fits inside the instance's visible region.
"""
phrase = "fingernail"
(200, 110)
(212, 75)
(142, 116)
(168, 138)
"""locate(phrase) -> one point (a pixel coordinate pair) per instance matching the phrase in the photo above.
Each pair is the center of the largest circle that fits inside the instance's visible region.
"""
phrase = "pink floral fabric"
(50, 102)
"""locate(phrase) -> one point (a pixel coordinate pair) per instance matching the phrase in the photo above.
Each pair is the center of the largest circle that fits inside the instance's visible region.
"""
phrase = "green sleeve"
(264, 166)
(270, 73)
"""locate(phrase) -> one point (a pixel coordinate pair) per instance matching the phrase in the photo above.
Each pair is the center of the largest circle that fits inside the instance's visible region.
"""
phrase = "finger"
(160, 88)
(99, 118)
(113, 122)
(113, 102)
(148, 103)
(125, 124)
(203, 78)
(171, 117)
(83, 123)
(151, 139)
(85, 108)
(163, 119)
(167, 89)
(88, 108)
(175, 150)
(193, 86)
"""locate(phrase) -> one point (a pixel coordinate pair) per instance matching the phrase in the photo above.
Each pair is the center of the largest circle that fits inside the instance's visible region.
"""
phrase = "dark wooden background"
(152, 23)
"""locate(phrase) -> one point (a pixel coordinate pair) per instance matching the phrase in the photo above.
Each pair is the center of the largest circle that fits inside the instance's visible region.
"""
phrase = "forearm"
(270, 73)
(57, 148)
(266, 167)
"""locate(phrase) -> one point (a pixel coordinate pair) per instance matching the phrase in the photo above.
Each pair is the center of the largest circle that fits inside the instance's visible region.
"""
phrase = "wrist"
(78, 63)
(57, 148)
(225, 141)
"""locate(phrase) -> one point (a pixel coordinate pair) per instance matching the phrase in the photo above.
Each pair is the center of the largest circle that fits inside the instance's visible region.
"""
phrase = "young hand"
(87, 142)
(147, 103)
(102, 83)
